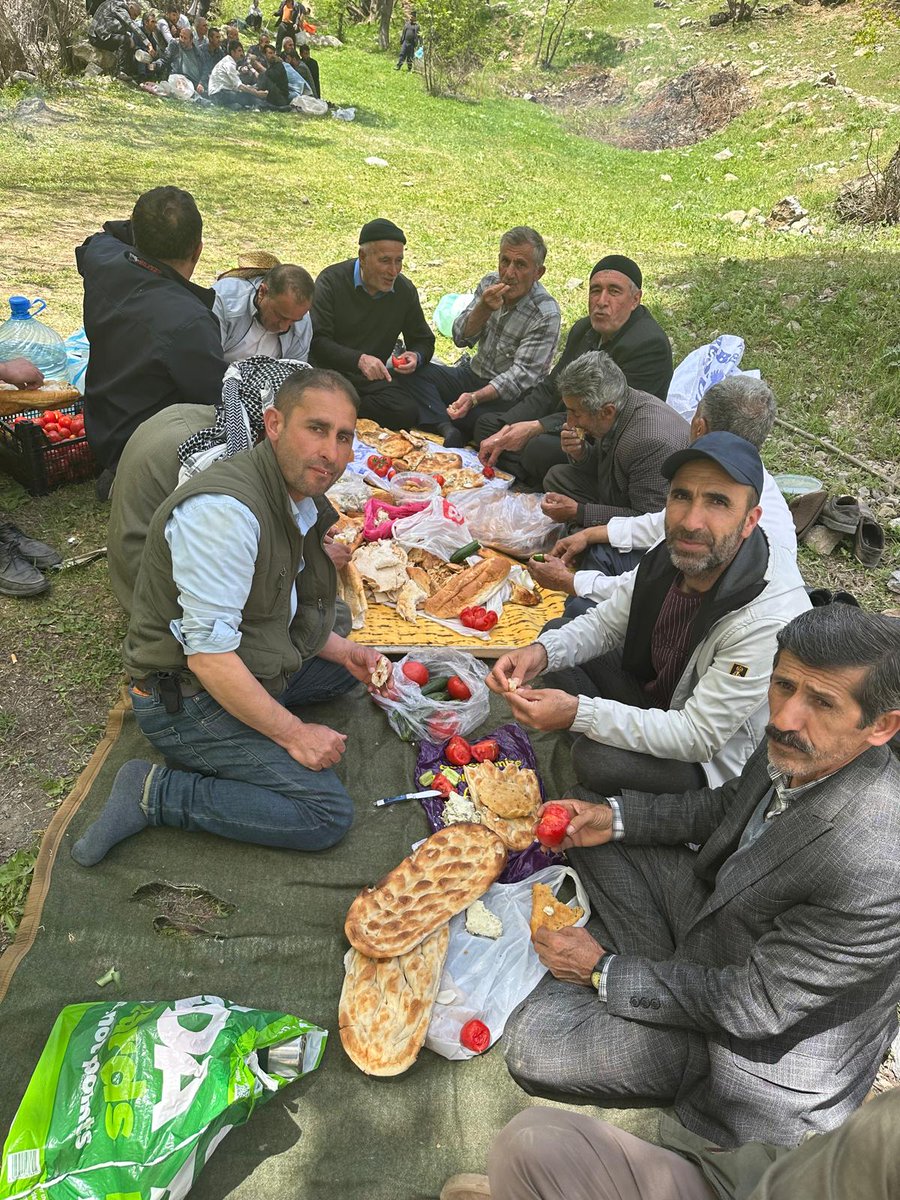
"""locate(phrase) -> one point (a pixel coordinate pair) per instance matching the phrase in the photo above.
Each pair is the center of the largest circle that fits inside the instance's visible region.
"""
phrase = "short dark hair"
(303, 46)
(234, 44)
(295, 387)
(740, 404)
(842, 635)
(289, 278)
(166, 224)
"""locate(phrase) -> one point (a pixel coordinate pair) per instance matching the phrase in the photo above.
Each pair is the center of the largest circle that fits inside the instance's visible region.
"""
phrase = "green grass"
(820, 315)
(15, 880)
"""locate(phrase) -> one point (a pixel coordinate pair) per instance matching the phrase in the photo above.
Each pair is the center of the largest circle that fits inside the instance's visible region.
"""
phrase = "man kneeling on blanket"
(231, 627)
(752, 983)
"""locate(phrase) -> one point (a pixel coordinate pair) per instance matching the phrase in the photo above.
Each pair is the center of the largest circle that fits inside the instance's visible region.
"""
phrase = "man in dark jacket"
(154, 339)
(527, 437)
(183, 58)
(361, 308)
(409, 39)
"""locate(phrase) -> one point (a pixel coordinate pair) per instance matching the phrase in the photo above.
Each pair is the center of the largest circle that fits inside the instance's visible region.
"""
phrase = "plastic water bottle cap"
(20, 307)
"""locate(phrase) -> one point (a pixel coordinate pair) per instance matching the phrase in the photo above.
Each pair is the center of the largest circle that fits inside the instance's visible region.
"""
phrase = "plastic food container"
(408, 487)
(797, 485)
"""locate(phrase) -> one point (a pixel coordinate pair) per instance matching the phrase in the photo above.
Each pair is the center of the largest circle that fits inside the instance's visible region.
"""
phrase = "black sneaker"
(18, 577)
(39, 554)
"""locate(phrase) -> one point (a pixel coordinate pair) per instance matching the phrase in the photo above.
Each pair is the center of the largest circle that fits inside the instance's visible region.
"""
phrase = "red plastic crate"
(39, 464)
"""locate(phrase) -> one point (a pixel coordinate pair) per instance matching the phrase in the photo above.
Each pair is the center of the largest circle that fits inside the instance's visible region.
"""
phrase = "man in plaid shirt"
(514, 322)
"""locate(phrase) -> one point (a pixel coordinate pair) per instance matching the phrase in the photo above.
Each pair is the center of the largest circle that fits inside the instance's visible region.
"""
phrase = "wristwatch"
(597, 974)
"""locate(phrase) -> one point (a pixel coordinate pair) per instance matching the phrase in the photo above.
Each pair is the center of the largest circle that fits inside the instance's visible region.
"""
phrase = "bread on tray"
(443, 876)
(386, 1005)
(471, 586)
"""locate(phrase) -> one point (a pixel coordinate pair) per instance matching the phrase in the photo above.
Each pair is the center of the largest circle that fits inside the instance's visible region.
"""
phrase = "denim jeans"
(436, 386)
(225, 778)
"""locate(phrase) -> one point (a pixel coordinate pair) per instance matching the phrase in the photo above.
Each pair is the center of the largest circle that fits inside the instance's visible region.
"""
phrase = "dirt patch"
(182, 904)
(685, 110)
(588, 89)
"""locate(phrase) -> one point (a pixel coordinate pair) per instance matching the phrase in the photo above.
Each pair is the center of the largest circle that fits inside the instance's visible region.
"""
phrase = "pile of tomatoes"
(56, 426)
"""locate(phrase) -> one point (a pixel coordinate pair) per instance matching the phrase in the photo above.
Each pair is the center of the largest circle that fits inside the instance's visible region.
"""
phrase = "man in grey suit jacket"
(753, 982)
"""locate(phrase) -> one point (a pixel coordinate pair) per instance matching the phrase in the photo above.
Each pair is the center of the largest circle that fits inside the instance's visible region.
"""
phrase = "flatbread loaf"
(462, 480)
(549, 913)
(437, 463)
(443, 876)
(386, 1005)
(51, 394)
(471, 586)
(510, 791)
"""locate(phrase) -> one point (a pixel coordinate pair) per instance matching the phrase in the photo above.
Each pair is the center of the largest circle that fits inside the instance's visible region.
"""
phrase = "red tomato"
(457, 689)
(398, 360)
(379, 463)
(442, 726)
(50, 427)
(65, 421)
(442, 784)
(553, 825)
(458, 752)
(53, 434)
(488, 472)
(476, 1036)
(486, 751)
(416, 672)
(51, 414)
(439, 480)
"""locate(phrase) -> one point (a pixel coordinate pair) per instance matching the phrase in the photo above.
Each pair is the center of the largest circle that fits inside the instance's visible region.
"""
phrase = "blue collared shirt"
(357, 282)
(214, 541)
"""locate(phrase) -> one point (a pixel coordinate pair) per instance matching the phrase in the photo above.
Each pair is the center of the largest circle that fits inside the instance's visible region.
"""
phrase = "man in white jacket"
(665, 682)
(267, 315)
(738, 404)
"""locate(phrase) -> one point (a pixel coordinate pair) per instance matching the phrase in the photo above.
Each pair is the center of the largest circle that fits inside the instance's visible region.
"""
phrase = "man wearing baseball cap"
(527, 436)
(665, 682)
(361, 307)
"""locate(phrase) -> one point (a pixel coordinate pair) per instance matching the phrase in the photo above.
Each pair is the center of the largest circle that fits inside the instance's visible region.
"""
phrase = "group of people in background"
(149, 47)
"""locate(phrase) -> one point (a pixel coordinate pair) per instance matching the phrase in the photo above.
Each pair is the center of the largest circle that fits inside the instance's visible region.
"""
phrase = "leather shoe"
(39, 554)
(868, 541)
(842, 514)
(18, 577)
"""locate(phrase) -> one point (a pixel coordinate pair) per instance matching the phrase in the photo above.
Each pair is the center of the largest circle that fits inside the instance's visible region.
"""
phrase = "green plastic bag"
(129, 1100)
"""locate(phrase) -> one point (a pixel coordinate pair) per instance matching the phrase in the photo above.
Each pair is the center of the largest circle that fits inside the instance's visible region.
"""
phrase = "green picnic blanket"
(268, 933)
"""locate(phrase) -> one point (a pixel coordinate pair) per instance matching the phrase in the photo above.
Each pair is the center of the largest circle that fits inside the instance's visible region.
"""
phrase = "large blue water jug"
(23, 336)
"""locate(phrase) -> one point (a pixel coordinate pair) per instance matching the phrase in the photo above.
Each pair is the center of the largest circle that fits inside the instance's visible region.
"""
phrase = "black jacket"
(640, 349)
(154, 340)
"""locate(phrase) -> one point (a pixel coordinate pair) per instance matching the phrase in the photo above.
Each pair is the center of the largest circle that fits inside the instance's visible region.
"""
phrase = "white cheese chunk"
(482, 922)
(458, 808)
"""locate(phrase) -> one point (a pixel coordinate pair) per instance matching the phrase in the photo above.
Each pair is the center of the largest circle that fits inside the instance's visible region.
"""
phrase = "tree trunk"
(12, 56)
(385, 11)
(62, 22)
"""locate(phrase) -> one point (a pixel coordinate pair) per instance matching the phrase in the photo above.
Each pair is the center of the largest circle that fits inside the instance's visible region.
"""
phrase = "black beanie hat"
(626, 266)
(381, 230)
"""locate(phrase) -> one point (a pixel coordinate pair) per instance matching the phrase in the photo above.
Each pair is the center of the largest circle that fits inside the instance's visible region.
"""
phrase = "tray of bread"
(53, 393)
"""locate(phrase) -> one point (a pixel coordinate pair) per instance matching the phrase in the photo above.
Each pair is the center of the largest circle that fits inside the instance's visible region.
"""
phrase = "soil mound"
(686, 110)
(588, 89)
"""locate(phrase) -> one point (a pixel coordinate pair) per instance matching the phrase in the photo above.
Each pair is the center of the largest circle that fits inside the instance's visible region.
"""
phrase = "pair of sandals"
(844, 515)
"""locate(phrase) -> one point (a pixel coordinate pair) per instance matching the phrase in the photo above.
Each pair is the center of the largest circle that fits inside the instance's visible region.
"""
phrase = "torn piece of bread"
(510, 791)
(353, 593)
(408, 600)
(382, 672)
(549, 913)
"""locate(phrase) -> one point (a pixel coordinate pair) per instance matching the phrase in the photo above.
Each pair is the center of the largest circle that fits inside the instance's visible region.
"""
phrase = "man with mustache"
(665, 682)
(231, 627)
(752, 982)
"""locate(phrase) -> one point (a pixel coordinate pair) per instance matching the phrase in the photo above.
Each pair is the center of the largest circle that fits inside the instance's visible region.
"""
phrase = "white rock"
(723, 156)
(374, 161)
(729, 178)
(573, 283)
(736, 216)
(666, 178)
(758, 71)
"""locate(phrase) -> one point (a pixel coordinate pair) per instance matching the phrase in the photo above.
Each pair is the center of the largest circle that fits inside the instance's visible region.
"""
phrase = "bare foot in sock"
(122, 815)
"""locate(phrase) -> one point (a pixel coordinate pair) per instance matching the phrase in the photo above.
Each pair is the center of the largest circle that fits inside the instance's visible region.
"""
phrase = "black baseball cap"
(735, 455)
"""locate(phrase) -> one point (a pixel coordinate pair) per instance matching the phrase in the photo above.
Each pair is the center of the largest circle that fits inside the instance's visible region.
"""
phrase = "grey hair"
(742, 405)
(289, 279)
(523, 235)
(841, 635)
(594, 381)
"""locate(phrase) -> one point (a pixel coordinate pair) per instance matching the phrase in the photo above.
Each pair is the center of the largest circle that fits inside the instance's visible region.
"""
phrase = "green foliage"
(880, 21)
(455, 37)
(15, 880)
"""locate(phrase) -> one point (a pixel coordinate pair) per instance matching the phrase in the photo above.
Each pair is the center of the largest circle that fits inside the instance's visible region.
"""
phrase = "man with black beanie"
(526, 439)
(361, 307)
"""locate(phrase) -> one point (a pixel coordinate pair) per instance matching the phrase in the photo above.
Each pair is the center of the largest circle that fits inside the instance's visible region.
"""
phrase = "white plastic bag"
(416, 718)
(310, 106)
(486, 979)
(508, 521)
(178, 87)
(344, 114)
(440, 529)
(702, 368)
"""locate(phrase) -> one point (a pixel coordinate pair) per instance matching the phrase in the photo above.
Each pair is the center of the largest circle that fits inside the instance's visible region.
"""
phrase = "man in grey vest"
(232, 626)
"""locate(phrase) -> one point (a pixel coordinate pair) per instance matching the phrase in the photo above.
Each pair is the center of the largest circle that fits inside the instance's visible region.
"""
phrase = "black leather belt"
(170, 687)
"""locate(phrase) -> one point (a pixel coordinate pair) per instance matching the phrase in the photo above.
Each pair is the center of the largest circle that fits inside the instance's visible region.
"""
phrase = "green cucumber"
(438, 684)
(463, 552)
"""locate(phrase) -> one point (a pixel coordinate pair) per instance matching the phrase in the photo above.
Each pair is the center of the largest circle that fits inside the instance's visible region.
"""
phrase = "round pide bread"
(443, 876)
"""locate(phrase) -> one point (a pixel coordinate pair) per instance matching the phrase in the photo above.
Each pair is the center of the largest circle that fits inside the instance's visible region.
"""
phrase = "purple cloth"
(514, 744)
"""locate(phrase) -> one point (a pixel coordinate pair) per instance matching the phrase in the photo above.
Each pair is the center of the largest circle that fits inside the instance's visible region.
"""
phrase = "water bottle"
(23, 336)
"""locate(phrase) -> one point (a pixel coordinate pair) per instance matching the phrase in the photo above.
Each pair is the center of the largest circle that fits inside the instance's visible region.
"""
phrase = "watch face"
(595, 978)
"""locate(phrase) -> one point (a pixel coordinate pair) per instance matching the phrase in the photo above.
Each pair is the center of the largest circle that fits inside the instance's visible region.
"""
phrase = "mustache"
(785, 738)
(696, 539)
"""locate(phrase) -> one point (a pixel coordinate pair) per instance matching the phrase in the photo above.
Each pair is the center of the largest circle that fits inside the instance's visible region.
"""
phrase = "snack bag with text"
(129, 1100)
